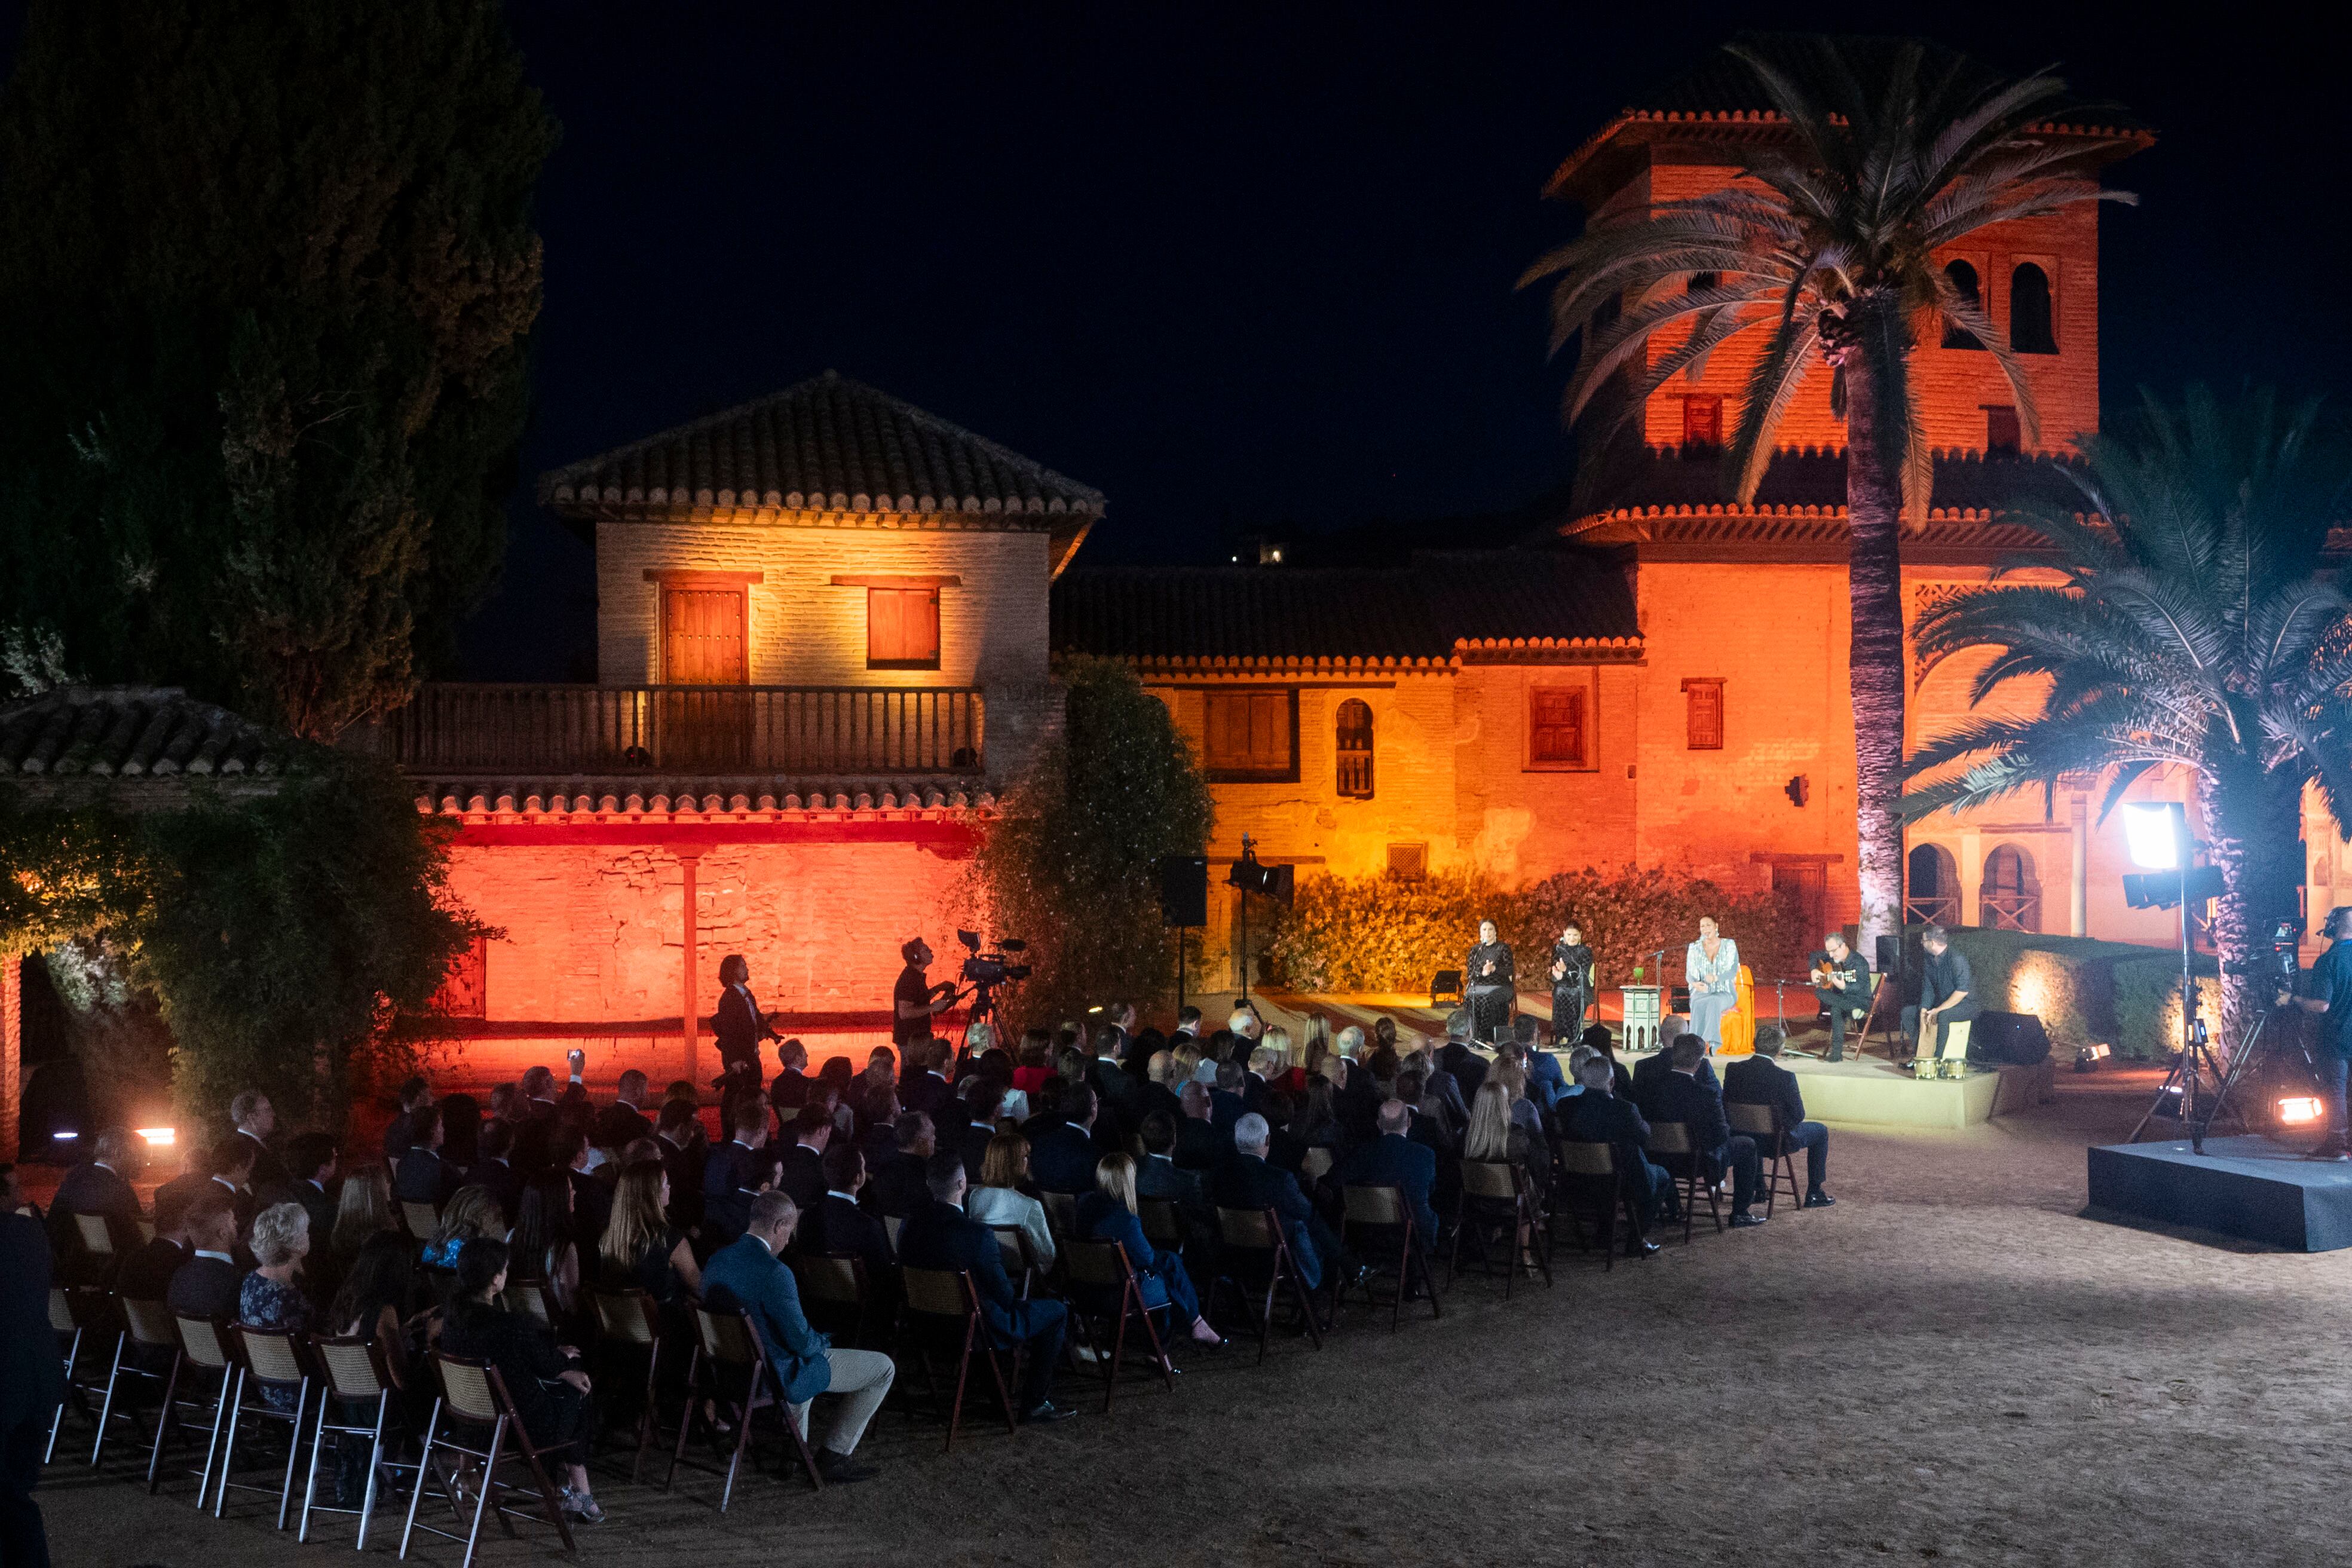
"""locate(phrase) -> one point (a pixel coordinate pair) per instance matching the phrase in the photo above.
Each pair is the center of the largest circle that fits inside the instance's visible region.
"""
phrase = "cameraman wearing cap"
(2330, 997)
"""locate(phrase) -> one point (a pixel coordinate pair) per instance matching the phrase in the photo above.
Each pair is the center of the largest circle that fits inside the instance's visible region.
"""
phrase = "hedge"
(2083, 990)
(1386, 933)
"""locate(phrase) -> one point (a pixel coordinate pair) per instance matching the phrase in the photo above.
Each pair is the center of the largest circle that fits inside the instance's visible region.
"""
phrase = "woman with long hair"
(998, 1200)
(472, 1214)
(641, 1249)
(549, 1390)
(1495, 1136)
(1316, 1045)
(1109, 1214)
(541, 1250)
(365, 1210)
(1033, 1065)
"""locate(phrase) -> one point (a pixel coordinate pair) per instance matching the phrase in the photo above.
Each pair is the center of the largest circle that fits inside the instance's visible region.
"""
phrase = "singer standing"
(1572, 984)
(1488, 982)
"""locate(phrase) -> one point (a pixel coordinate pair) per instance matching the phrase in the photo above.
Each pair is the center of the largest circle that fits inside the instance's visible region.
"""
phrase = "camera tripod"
(2198, 1108)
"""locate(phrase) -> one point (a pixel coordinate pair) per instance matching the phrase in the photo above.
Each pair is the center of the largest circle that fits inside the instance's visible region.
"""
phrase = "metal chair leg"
(424, 1473)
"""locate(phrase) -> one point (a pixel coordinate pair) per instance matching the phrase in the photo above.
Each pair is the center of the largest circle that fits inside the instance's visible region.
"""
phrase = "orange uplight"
(159, 1137)
(2300, 1108)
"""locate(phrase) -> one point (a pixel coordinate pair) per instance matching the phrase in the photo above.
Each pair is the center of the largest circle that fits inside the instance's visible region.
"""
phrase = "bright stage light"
(159, 1137)
(2154, 834)
(65, 1137)
(2296, 1109)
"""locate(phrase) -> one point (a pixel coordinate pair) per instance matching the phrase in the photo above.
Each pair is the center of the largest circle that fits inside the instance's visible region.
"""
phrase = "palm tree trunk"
(1873, 502)
(2252, 822)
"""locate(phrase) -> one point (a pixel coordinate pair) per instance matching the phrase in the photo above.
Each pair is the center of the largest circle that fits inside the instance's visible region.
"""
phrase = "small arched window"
(2032, 327)
(1963, 280)
(2011, 896)
(1355, 749)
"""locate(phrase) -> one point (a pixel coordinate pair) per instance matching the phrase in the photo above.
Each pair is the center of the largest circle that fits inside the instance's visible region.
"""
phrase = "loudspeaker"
(2008, 1039)
(1185, 891)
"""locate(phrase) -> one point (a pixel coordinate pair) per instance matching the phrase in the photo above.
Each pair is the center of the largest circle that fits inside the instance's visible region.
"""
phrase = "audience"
(206, 1285)
(642, 1248)
(942, 1237)
(541, 1250)
(550, 1389)
(839, 1227)
(415, 1094)
(270, 1297)
(750, 1276)
(1393, 1160)
(1599, 1115)
(1109, 1214)
(624, 1121)
(424, 1177)
(1762, 1080)
(254, 1120)
(472, 1215)
(310, 1160)
(803, 1176)
(1063, 1159)
(1680, 1095)
(897, 1188)
(997, 1200)
(1247, 1182)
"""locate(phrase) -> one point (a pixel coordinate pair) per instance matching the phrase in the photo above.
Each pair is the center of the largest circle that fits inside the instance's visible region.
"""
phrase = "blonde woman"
(1285, 1075)
(641, 1249)
(364, 1208)
(269, 1298)
(1109, 1214)
(1316, 1045)
(473, 1215)
(998, 1200)
(1493, 1136)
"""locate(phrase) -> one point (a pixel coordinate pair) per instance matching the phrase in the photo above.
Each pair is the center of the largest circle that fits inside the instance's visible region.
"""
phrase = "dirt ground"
(1951, 1364)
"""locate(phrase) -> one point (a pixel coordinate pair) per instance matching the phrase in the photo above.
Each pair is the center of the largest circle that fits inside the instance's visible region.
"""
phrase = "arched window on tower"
(1963, 280)
(1355, 750)
(2032, 327)
(1935, 887)
(2011, 896)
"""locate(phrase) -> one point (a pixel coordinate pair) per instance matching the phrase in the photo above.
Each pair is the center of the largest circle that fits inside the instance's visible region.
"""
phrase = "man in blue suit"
(749, 1274)
(1247, 1182)
(942, 1237)
(31, 1384)
(1682, 1096)
(1393, 1160)
(1595, 1115)
(1063, 1159)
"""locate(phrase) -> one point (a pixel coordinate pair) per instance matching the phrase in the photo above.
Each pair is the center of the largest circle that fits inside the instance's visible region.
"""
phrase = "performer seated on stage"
(2328, 992)
(1946, 993)
(1572, 984)
(1711, 970)
(1487, 976)
(1842, 980)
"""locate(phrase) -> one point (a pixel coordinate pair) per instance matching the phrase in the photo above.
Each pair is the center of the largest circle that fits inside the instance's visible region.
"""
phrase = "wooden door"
(1811, 883)
(704, 644)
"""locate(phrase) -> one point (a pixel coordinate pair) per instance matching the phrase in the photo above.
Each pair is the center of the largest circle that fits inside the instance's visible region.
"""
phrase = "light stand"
(2158, 834)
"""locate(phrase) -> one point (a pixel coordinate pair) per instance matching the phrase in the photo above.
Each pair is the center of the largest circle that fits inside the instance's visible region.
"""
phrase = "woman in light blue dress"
(1711, 969)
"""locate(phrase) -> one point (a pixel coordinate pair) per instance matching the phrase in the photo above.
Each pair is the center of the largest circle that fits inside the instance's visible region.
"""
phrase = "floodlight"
(2155, 833)
(159, 1137)
(2298, 1109)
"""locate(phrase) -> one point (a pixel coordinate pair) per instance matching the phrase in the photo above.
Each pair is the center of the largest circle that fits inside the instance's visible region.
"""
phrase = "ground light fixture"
(159, 1137)
(2297, 1109)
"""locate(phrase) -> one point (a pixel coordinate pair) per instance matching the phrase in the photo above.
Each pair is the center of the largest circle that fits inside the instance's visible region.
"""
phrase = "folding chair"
(892, 1224)
(1372, 1219)
(1762, 1122)
(144, 1326)
(1104, 1285)
(1254, 1238)
(1671, 1141)
(422, 1219)
(943, 1306)
(205, 1347)
(1061, 1214)
(628, 1320)
(268, 1361)
(1012, 1249)
(530, 1298)
(1589, 1186)
(97, 1238)
(1314, 1165)
(71, 1314)
(474, 1396)
(354, 1371)
(835, 1294)
(729, 1341)
(1495, 1202)
(1163, 1222)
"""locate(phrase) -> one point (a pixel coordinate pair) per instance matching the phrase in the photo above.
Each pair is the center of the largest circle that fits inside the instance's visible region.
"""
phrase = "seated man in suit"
(837, 1226)
(413, 1094)
(898, 1187)
(254, 1120)
(1228, 1101)
(942, 1237)
(145, 1275)
(494, 1169)
(927, 1090)
(1393, 1160)
(1546, 1081)
(789, 1090)
(728, 1181)
(1062, 1161)
(310, 1161)
(1762, 1080)
(982, 1097)
(1652, 1070)
(228, 1165)
(425, 1177)
(676, 1129)
(1248, 1181)
(803, 1163)
(623, 1122)
(1198, 1147)
(1681, 1096)
(592, 1197)
(750, 1275)
(206, 1285)
(1597, 1115)
(100, 1187)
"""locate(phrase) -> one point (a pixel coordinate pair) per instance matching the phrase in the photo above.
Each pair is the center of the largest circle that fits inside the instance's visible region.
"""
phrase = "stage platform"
(2245, 1186)
(1872, 1093)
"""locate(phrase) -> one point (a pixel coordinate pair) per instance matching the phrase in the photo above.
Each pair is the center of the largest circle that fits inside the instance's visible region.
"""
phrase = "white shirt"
(1002, 1205)
(837, 1193)
(224, 1257)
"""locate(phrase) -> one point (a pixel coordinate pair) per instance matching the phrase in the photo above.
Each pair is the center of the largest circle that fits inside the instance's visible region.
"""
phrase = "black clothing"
(649, 1271)
(502, 1181)
(789, 1090)
(1063, 1160)
(942, 1235)
(92, 1189)
(1759, 1080)
(1947, 974)
(591, 1210)
(1198, 1147)
(395, 1139)
(740, 1028)
(1492, 996)
(424, 1178)
(269, 1170)
(1681, 1096)
(617, 1126)
(146, 1274)
(836, 1227)
(534, 1138)
(896, 1188)
(1571, 994)
(31, 1384)
(1469, 1071)
(933, 1095)
(206, 1288)
(911, 990)
(685, 1173)
(1849, 989)
(2331, 979)
(554, 1414)
(802, 1176)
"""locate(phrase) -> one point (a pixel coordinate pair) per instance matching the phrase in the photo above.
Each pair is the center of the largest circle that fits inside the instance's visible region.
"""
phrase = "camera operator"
(913, 1007)
(2330, 995)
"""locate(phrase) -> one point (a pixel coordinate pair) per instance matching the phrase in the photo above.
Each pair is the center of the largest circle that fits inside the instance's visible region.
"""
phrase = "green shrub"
(2083, 990)
(1384, 933)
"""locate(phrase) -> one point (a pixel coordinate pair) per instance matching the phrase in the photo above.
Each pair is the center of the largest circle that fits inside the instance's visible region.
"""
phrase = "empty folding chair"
(629, 1321)
(206, 1350)
(1378, 1226)
(146, 1354)
(269, 1367)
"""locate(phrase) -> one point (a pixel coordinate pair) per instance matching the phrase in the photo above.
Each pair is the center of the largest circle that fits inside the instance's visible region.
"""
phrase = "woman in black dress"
(1571, 985)
(544, 1379)
(1487, 976)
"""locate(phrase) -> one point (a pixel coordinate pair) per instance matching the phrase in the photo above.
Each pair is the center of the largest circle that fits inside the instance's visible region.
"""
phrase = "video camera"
(991, 969)
(2282, 963)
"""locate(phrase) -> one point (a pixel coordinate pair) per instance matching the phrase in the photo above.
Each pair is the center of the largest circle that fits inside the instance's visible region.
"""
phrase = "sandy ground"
(1951, 1364)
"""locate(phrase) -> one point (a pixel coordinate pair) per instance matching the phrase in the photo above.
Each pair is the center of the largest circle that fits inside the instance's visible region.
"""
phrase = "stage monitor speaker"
(2008, 1039)
(1185, 891)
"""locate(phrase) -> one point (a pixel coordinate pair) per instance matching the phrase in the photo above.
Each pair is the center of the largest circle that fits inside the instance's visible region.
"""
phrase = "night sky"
(1251, 267)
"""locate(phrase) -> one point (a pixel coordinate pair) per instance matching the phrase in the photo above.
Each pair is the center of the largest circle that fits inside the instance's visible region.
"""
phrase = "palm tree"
(2193, 630)
(1827, 245)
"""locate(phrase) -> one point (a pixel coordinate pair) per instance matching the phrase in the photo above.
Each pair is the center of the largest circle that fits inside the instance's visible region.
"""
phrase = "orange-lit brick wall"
(1520, 822)
(1954, 385)
(804, 631)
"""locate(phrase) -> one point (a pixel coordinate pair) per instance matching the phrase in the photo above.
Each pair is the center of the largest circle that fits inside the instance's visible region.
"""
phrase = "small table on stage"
(1641, 1017)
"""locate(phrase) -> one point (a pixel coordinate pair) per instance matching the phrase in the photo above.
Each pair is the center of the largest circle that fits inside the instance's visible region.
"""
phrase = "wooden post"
(691, 1028)
(12, 1050)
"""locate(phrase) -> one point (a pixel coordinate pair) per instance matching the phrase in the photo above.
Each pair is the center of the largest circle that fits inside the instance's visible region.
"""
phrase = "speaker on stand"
(1183, 904)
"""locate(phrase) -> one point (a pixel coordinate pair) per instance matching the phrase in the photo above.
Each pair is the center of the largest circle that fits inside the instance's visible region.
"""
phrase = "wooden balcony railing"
(2010, 911)
(813, 729)
(1930, 909)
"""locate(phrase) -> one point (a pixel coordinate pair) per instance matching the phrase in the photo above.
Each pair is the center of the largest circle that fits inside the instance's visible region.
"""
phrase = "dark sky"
(1254, 265)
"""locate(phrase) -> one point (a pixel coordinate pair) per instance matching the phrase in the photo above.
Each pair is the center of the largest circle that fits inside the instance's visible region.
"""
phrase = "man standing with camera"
(2329, 996)
(912, 1005)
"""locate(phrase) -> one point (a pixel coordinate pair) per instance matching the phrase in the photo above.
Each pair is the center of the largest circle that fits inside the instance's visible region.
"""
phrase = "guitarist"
(1842, 980)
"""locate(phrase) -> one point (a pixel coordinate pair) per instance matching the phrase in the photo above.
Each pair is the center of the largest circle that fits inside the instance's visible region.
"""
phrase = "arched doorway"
(1934, 880)
(2011, 896)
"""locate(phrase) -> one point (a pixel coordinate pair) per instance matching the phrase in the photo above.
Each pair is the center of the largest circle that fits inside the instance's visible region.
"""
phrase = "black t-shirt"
(912, 988)
(2331, 981)
(1948, 976)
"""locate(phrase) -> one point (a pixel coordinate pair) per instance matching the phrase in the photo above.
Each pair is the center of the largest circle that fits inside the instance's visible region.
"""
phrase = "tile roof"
(132, 732)
(1416, 613)
(1814, 477)
(638, 795)
(829, 444)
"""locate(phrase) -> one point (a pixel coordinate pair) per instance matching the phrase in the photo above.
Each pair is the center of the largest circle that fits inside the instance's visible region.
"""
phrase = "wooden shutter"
(1702, 421)
(1250, 735)
(902, 628)
(702, 637)
(465, 989)
(1703, 714)
(2003, 433)
(1556, 729)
